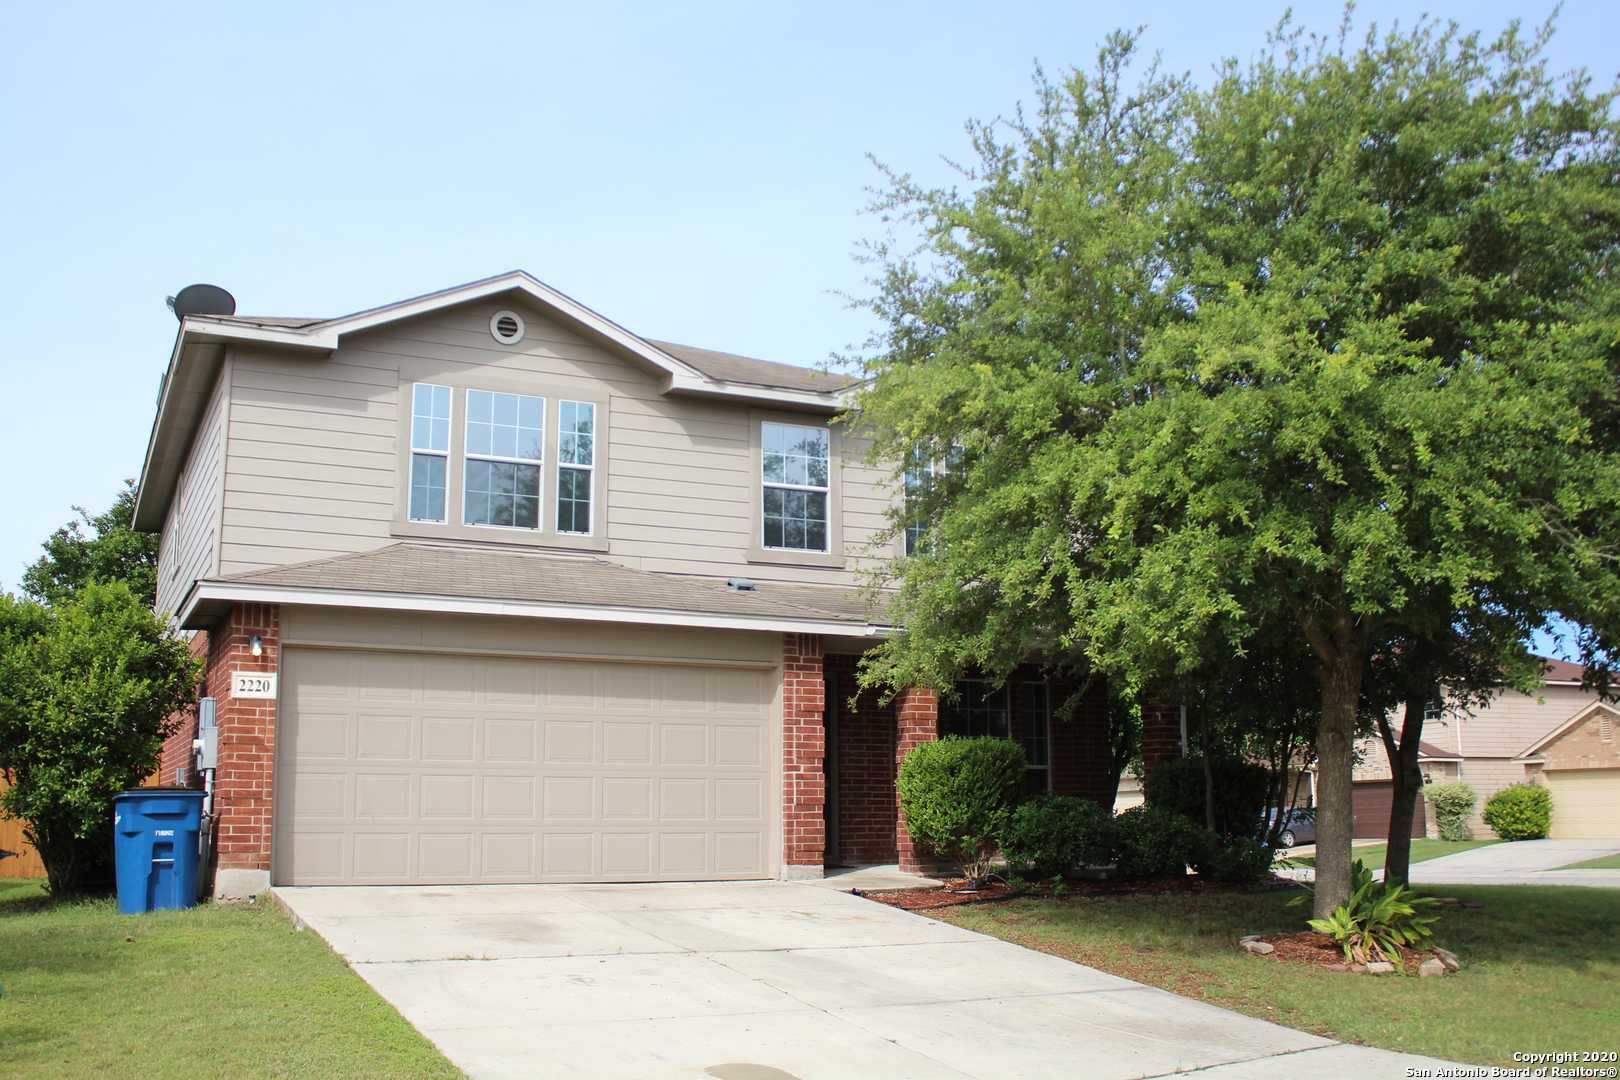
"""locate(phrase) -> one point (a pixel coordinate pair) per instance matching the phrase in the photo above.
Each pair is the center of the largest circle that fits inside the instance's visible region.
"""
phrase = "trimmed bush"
(1453, 805)
(1053, 833)
(1150, 841)
(1520, 812)
(957, 795)
(1237, 861)
(1177, 785)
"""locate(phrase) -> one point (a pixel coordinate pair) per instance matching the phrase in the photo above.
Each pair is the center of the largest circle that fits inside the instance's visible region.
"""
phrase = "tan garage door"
(397, 768)
(1586, 803)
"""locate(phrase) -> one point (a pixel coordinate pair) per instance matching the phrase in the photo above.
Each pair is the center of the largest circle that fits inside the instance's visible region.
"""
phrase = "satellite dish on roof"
(202, 300)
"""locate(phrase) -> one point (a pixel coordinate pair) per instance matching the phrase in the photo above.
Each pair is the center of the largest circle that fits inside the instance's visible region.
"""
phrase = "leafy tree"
(113, 552)
(88, 692)
(1325, 342)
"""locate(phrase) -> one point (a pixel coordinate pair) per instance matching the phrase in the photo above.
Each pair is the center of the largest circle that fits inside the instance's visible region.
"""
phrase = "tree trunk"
(1407, 779)
(1335, 758)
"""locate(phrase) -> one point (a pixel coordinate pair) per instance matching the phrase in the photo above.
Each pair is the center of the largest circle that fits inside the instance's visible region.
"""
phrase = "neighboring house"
(1517, 738)
(491, 589)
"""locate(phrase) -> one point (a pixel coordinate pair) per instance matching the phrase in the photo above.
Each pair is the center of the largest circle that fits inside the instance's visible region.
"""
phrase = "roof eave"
(209, 599)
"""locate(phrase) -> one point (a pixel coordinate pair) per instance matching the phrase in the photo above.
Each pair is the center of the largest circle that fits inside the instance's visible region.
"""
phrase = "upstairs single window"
(796, 486)
(576, 464)
(505, 449)
(430, 450)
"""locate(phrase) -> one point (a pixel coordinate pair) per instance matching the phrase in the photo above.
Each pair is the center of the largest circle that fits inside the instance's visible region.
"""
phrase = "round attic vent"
(507, 327)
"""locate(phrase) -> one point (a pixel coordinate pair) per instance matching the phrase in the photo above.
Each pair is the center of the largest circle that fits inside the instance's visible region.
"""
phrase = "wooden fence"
(25, 864)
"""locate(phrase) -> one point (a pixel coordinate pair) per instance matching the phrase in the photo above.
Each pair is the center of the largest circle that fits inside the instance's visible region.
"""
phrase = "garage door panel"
(448, 738)
(509, 740)
(385, 738)
(536, 767)
(627, 744)
(509, 797)
(570, 742)
(1586, 803)
(683, 744)
(569, 797)
(447, 797)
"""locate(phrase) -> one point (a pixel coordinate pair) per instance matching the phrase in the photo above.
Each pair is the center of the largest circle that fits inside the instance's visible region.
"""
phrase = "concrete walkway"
(1523, 862)
(772, 981)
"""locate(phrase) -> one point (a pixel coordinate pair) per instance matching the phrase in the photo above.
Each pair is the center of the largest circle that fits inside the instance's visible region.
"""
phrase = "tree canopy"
(113, 551)
(1333, 340)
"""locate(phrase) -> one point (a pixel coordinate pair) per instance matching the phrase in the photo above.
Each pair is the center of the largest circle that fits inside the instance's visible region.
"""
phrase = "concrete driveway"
(1523, 862)
(772, 981)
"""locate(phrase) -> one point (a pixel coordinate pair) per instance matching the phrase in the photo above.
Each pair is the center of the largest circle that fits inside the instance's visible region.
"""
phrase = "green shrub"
(1453, 805)
(1520, 812)
(1177, 785)
(1053, 833)
(1237, 861)
(1376, 918)
(957, 795)
(1150, 840)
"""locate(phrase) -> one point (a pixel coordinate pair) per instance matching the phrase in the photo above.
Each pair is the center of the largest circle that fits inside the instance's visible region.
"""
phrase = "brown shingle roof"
(442, 570)
(745, 369)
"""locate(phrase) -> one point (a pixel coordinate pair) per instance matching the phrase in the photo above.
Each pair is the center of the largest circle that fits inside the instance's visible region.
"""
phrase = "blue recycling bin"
(155, 845)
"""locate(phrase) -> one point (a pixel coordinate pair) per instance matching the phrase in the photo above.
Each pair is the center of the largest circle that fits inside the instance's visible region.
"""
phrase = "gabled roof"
(1566, 727)
(1560, 672)
(680, 370)
(446, 578)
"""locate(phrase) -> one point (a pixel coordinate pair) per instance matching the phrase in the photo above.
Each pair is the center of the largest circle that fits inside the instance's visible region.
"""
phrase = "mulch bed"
(1319, 950)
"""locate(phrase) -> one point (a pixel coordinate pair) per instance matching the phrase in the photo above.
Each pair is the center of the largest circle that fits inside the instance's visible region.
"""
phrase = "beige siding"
(314, 449)
(191, 531)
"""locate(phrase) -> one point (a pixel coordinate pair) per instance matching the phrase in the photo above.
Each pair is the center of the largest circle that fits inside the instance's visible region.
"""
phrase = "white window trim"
(546, 536)
(756, 551)
(592, 508)
(538, 464)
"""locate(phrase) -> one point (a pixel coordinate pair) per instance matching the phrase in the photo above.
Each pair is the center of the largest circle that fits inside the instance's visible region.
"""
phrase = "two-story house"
(491, 589)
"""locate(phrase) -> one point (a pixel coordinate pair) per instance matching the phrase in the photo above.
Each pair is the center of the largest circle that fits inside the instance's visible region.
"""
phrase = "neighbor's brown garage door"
(1586, 803)
(1373, 801)
(399, 768)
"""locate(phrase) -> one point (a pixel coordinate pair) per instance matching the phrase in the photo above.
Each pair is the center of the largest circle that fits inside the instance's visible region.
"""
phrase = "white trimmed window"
(506, 436)
(919, 476)
(430, 450)
(576, 465)
(796, 487)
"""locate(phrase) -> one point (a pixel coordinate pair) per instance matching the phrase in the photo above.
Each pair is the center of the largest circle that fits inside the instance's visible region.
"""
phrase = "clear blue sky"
(693, 170)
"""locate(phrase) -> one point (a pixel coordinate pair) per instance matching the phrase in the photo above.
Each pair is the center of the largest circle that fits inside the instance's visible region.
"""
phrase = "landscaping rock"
(1359, 969)
(1449, 959)
(1430, 968)
(1248, 938)
(1380, 967)
(1336, 967)
(1258, 948)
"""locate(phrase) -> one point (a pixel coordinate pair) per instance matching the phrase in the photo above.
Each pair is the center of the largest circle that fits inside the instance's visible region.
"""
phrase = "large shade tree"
(1327, 340)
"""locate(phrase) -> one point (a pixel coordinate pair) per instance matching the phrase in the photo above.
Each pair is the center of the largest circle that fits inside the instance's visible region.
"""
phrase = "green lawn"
(1607, 862)
(1540, 964)
(222, 990)
(1372, 856)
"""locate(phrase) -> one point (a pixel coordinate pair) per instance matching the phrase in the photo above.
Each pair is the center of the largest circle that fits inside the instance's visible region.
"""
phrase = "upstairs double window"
(504, 450)
(796, 487)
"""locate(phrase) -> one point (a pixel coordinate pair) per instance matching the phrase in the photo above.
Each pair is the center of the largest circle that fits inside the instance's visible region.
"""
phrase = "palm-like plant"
(1377, 919)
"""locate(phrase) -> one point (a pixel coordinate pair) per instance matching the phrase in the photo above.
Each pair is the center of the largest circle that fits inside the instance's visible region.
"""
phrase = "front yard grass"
(1605, 862)
(1372, 856)
(1540, 964)
(221, 990)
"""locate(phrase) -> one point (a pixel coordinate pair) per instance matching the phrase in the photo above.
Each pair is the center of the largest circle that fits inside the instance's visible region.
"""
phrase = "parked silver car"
(1299, 826)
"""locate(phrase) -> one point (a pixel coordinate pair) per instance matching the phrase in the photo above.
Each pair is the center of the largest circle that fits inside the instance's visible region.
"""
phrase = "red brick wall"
(865, 770)
(803, 747)
(247, 737)
(1161, 728)
(916, 711)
